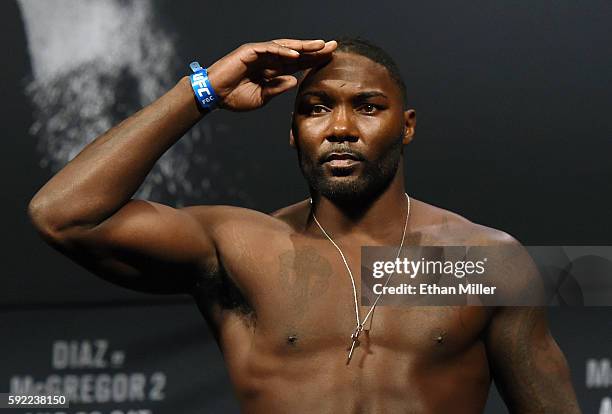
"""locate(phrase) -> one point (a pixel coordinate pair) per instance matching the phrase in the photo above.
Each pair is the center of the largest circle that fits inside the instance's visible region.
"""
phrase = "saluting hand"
(251, 75)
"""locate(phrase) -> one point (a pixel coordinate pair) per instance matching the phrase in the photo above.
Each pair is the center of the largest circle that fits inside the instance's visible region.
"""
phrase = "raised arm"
(528, 367)
(86, 212)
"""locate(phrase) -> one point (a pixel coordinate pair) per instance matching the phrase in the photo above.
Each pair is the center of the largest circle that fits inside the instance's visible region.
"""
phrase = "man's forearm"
(108, 171)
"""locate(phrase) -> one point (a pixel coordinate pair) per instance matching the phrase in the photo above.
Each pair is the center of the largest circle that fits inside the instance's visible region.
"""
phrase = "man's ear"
(409, 125)
(291, 138)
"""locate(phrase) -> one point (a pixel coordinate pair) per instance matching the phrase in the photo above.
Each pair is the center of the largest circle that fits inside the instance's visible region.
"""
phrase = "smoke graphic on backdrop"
(93, 64)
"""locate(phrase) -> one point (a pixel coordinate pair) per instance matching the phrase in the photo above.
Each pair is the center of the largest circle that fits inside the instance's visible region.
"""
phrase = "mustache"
(341, 150)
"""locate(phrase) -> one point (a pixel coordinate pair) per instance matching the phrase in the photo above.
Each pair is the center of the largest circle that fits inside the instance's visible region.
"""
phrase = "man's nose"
(342, 127)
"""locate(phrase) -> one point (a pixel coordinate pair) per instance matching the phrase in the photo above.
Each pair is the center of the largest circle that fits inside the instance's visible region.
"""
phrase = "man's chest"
(302, 297)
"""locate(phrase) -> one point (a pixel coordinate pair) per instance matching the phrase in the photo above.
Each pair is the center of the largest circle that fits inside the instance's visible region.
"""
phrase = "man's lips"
(342, 163)
(341, 159)
(341, 156)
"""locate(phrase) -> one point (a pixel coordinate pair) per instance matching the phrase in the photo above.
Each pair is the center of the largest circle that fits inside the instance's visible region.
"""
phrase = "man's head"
(350, 123)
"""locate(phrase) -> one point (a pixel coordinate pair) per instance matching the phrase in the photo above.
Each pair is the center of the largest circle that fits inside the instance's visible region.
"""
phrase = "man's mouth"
(341, 159)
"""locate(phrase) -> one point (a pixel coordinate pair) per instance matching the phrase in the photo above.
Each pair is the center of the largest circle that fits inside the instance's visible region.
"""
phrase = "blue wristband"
(204, 93)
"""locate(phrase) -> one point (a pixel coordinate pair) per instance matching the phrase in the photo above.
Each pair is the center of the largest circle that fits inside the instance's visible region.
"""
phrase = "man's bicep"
(529, 369)
(145, 246)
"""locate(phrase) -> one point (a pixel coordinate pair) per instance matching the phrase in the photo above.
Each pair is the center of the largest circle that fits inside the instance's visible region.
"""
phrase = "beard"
(374, 179)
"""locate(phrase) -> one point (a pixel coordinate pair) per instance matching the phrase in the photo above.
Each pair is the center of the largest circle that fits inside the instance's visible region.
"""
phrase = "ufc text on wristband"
(204, 93)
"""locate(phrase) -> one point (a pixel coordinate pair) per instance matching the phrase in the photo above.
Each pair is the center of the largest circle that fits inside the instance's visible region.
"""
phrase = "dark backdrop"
(513, 132)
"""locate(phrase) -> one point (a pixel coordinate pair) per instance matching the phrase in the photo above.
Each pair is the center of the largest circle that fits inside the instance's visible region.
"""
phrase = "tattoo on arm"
(528, 366)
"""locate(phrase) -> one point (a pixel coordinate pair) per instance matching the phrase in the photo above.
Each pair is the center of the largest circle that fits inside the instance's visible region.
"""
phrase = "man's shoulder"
(438, 225)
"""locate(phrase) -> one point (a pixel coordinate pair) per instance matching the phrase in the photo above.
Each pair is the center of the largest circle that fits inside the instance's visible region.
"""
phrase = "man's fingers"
(281, 67)
(253, 52)
(288, 48)
(302, 46)
(309, 59)
(277, 59)
(328, 48)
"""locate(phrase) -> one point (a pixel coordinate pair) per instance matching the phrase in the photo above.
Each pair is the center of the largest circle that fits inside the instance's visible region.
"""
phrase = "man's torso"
(281, 306)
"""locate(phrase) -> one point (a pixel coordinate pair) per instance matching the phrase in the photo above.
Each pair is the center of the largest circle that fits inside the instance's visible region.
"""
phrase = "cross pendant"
(354, 344)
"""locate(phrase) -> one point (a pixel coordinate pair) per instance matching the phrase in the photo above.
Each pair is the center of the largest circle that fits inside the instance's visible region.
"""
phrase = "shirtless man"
(273, 289)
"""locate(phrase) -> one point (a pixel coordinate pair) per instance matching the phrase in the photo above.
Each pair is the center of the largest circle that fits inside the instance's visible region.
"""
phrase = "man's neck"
(379, 219)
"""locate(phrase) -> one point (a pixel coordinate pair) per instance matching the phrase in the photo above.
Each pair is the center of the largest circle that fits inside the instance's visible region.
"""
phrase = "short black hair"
(363, 47)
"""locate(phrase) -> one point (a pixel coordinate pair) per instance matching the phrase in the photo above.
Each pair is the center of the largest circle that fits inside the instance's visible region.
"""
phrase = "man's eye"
(369, 108)
(318, 109)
